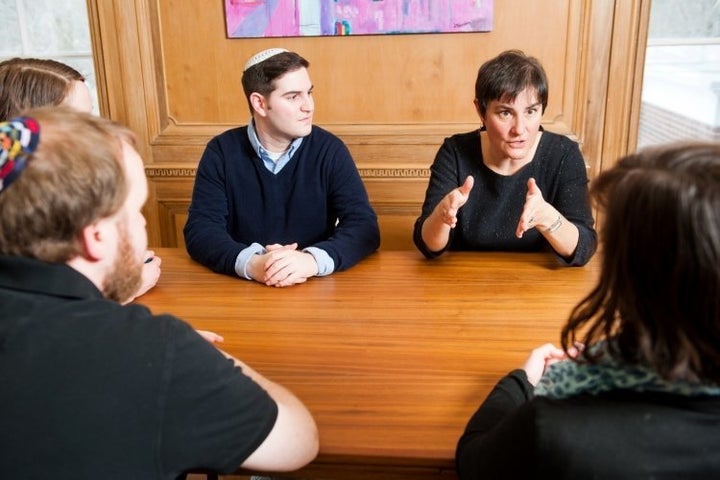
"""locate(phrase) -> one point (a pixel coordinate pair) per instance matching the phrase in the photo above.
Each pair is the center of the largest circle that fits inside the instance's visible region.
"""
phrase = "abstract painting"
(299, 18)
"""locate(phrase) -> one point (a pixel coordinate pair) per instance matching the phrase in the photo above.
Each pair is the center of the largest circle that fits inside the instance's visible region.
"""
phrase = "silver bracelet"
(556, 224)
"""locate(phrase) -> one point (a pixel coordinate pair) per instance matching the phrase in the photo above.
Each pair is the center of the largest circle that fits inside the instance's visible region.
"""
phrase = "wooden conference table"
(392, 356)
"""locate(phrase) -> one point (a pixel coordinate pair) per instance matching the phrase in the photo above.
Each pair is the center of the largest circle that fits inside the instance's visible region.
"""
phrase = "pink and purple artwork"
(298, 18)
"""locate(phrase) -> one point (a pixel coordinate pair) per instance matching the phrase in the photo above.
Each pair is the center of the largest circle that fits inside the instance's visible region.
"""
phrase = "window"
(52, 29)
(681, 82)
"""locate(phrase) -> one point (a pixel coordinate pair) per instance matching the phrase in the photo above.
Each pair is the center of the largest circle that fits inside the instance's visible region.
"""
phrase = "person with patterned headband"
(34, 82)
(92, 388)
(279, 201)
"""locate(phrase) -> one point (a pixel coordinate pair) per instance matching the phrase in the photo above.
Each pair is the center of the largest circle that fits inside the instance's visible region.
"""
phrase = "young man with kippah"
(90, 388)
(279, 201)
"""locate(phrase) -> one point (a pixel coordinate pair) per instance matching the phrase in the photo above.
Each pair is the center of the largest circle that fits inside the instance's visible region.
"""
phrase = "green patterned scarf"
(567, 378)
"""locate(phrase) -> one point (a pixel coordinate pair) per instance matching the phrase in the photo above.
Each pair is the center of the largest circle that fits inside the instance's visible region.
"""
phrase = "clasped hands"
(536, 211)
(282, 266)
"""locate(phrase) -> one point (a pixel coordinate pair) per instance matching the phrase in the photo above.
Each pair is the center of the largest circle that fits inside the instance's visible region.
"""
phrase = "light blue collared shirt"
(273, 166)
(325, 263)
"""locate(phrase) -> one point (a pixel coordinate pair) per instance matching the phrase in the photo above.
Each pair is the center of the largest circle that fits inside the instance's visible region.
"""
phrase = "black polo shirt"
(93, 389)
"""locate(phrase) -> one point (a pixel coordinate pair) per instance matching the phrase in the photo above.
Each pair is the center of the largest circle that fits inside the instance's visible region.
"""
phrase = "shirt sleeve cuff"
(243, 258)
(325, 263)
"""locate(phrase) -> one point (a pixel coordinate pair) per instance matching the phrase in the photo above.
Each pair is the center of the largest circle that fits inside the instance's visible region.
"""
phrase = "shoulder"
(556, 143)
(320, 136)
(324, 148)
(320, 132)
(220, 149)
(232, 133)
(130, 332)
(463, 139)
(234, 136)
(558, 153)
(460, 146)
(136, 321)
(133, 321)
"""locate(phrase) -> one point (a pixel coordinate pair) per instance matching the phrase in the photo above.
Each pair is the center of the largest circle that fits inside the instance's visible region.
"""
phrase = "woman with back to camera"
(642, 397)
(509, 185)
(27, 83)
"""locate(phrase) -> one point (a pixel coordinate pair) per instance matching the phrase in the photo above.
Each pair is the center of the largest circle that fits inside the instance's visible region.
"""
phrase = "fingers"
(451, 203)
(540, 358)
(211, 337)
(547, 351)
(258, 265)
(575, 350)
(459, 196)
(533, 189)
(150, 274)
(276, 246)
(467, 185)
(524, 225)
(533, 209)
(153, 262)
(449, 216)
(285, 267)
(289, 280)
(526, 222)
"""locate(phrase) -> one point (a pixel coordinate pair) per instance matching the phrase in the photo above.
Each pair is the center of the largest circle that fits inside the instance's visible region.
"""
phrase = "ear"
(259, 104)
(477, 109)
(99, 240)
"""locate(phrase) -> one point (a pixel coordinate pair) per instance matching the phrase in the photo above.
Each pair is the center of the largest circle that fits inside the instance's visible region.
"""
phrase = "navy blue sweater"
(317, 200)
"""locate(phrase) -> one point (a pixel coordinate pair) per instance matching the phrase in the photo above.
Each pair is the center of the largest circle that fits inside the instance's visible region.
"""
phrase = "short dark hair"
(260, 78)
(505, 76)
(658, 295)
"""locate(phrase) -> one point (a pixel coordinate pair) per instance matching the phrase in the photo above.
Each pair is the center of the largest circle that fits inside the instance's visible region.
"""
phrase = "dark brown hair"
(260, 78)
(505, 76)
(658, 295)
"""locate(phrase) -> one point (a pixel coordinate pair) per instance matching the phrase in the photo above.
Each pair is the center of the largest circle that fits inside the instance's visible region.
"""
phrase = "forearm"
(207, 232)
(561, 234)
(356, 233)
(214, 249)
(353, 240)
(324, 263)
(278, 393)
(575, 241)
(294, 439)
(435, 233)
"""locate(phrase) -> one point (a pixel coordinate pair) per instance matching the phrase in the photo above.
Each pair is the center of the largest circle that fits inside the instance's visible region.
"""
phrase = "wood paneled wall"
(167, 70)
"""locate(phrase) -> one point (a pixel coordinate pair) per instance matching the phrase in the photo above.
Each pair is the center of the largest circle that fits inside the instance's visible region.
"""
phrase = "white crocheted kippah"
(262, 56)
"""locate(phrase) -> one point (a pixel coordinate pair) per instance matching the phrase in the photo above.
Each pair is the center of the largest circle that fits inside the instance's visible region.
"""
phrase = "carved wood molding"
(394, 172)
(164, 172)
(155, 172)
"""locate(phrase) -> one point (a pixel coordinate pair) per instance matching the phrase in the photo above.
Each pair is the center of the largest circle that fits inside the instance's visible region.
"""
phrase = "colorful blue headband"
(18, 138)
